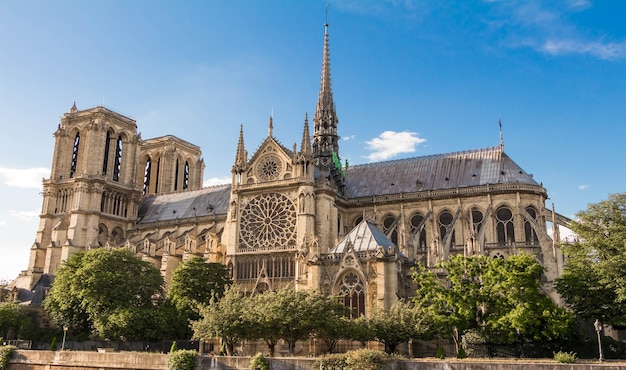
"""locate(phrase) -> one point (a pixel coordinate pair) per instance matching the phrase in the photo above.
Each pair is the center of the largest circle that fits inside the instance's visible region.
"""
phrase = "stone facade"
(290, 217)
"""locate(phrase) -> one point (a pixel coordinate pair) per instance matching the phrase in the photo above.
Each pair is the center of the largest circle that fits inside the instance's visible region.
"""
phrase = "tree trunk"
(271, 345)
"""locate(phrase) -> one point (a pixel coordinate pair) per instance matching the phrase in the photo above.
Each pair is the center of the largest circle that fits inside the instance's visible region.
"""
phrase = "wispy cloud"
(349, 137)
(390, 143)
(606, 51)
(25, 216)
(548, 29)
(23, 178)
(216, 181)
(583, 186)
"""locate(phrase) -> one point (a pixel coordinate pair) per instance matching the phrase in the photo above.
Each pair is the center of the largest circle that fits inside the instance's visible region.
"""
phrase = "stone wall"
(79, 360)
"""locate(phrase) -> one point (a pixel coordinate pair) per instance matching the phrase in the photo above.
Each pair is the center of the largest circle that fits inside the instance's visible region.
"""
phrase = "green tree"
(397, 325)
(224, 318)
(100, 284)
(593, 283)
(16, 322)
(335, 325)
(292, 316)
(360, 330)
(499, 298)
(194, 283)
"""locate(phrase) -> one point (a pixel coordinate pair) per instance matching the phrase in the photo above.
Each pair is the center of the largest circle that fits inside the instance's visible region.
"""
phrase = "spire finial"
(270, 129)
(326, 23)
(501, 139)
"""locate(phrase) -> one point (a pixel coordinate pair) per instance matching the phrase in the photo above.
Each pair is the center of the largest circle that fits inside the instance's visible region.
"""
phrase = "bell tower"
(91, 197)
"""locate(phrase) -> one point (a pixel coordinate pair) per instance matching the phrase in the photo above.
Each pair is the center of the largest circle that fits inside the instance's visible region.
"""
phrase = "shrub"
(461, 353)
(441, 354)
(184, 359)
(174, 347)
(53, 344)
(333, 361)
(5, 356)
(474, 344)
(258, 362)
(366, 359)
(565, 357)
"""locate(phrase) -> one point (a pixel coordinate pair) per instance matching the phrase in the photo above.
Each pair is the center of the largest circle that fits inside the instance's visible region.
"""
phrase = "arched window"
(118, 159)
(390, 229)
(505, 228)
(156, 180)
(351, 289)
(418, 231)
(186, 176)
(358, 220)
(75, 154)
(476, 220)
(445, 227)
(529, 233)
(176, 176)
(105, 160)
(146, 176)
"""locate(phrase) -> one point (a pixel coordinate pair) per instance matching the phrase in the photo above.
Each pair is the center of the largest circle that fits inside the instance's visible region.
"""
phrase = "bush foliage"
(184, 359)
(5, 356)
(565, 357)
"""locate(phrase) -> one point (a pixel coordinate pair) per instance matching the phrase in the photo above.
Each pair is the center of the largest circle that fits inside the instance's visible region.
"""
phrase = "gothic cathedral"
(291, 216)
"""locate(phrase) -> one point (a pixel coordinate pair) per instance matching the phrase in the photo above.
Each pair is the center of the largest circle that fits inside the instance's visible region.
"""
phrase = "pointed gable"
(363, 238)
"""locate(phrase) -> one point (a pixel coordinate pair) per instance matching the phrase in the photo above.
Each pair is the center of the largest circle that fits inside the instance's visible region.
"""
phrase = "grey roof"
(440, 171)
(188, 204)
(364, 237)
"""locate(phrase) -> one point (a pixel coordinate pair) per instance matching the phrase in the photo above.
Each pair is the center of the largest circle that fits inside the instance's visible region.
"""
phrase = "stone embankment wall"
(79, 360)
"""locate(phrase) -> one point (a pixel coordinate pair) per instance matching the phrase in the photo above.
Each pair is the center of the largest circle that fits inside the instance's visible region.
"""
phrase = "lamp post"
(598, 327)
(64, 334)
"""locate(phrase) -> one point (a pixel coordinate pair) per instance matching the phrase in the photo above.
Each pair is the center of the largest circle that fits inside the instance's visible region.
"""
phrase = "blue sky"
(410, 78)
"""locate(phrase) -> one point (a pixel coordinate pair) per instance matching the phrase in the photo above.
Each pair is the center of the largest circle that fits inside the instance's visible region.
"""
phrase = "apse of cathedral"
(294, 217)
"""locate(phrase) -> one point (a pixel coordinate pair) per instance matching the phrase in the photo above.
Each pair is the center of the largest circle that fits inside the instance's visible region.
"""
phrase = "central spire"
(325, 138)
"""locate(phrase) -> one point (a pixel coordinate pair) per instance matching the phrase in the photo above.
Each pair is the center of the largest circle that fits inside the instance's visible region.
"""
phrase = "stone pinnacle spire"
(305, 147)
(325, 138)
(240, 157)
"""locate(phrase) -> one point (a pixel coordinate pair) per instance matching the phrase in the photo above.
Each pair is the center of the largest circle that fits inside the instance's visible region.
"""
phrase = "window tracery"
(75, 155)
(268, 221)
(419, 234)
(390, 229)
(505, 228)
(353, 293)
(446, 227)
(269, 168)
(529, 232)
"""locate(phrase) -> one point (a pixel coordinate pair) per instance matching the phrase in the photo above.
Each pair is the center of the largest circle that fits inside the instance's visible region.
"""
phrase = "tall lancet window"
(351, 289)
(186, 176)
(118, 159)
(504, 227)
(146, 177)
(176, 176)
(105, 160)
(75, 154)
(529, 231)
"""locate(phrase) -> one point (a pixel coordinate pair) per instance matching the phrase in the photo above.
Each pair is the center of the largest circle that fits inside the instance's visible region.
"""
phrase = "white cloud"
(583, 186)
(350, 137)
(26, 216)
(2, 223)
(606, 51)
(24, 178)
(390, 143)
(216, 181)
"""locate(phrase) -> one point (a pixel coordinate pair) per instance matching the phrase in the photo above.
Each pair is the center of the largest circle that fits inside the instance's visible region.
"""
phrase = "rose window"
(268, 221)
(269, 168)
